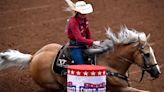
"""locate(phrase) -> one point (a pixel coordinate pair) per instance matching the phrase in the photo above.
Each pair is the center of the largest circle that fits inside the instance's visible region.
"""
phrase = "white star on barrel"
(68, 71)
(72, 72)
(85, 73)
(78, 72)
(99, 73)
(93, 73)
(104, 72)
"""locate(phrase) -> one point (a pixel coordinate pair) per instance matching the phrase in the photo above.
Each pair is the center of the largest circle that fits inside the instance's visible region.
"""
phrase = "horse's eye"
(147, 55)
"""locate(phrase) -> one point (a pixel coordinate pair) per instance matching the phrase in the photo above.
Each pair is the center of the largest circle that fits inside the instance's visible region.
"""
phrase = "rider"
(78, 30)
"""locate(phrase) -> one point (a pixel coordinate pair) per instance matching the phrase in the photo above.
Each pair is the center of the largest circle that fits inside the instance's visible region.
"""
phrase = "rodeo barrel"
(86, 78)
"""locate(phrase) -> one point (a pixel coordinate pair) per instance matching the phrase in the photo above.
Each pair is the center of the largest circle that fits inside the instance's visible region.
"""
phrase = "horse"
(130, 47)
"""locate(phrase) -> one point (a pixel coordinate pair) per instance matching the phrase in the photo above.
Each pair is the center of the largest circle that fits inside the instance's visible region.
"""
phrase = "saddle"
(63, 58)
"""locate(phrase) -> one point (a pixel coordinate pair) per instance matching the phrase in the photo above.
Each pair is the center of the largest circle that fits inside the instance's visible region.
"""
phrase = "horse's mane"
(125, 35)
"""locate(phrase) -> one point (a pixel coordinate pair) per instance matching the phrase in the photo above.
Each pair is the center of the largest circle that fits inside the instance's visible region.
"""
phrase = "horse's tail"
(13, 58)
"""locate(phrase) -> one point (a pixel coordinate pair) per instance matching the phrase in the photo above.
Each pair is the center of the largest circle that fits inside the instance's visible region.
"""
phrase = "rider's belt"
(75, 44)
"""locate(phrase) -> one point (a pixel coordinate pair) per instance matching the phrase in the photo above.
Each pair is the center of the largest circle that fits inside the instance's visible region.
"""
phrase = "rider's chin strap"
(118, 75)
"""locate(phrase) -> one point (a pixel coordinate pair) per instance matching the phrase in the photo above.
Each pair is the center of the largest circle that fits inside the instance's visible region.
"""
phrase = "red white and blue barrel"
(86, 78)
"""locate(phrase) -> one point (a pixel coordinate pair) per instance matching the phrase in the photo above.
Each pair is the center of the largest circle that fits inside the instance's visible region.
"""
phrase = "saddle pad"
(61, 61)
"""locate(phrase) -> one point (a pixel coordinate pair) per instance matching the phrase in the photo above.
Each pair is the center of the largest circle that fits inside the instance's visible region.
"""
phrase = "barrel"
(86, 78)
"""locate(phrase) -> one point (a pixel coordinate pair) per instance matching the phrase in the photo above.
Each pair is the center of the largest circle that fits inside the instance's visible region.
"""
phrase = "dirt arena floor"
(28, 25)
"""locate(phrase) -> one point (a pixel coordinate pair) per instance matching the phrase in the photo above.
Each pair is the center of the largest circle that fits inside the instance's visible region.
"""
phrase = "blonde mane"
(125, 35)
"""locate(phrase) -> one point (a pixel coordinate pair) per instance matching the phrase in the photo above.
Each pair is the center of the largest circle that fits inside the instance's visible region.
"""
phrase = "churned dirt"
(28, 25)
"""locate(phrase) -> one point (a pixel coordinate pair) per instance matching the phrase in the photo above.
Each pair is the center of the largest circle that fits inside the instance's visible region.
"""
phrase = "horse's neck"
(116, 60)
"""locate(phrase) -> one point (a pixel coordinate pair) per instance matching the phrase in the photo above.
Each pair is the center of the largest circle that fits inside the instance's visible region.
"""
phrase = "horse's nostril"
(157, 75)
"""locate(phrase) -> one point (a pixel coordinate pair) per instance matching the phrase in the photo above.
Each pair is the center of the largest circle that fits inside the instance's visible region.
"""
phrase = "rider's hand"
(96, 43)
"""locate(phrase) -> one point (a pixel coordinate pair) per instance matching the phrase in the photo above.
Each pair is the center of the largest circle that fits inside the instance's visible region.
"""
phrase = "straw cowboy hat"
(80, 6)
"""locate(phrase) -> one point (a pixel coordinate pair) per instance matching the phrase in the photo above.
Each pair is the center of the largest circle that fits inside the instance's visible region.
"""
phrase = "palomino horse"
(130, 47)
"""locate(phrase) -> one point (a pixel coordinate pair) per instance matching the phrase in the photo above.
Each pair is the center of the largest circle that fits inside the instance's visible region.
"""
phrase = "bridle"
(144, 66)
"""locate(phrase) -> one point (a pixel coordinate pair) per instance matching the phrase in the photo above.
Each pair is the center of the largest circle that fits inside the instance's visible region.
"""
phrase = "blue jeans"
(77, 55)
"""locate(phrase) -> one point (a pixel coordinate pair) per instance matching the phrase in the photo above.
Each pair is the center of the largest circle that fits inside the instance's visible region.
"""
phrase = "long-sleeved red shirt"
(78, 30)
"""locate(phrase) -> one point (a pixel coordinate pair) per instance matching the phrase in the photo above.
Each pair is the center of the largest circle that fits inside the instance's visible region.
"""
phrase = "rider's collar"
(81, 21)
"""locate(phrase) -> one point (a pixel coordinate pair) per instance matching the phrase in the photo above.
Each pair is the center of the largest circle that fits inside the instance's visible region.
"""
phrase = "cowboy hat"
(80, 6)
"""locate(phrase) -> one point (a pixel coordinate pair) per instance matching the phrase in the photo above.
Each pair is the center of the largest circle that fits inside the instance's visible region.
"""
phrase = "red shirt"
(78, 30)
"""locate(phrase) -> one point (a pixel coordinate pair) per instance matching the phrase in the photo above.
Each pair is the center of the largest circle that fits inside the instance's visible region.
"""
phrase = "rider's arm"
(74, 27)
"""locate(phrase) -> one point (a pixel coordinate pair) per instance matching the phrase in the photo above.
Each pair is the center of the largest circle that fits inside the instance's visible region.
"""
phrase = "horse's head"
(141, 51)
(145, 58)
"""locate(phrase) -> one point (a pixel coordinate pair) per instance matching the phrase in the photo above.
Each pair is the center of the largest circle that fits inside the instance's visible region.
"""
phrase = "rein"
(118, 75)
(121, 76)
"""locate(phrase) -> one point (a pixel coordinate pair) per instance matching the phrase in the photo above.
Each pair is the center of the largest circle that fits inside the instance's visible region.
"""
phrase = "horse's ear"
(148, 37)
